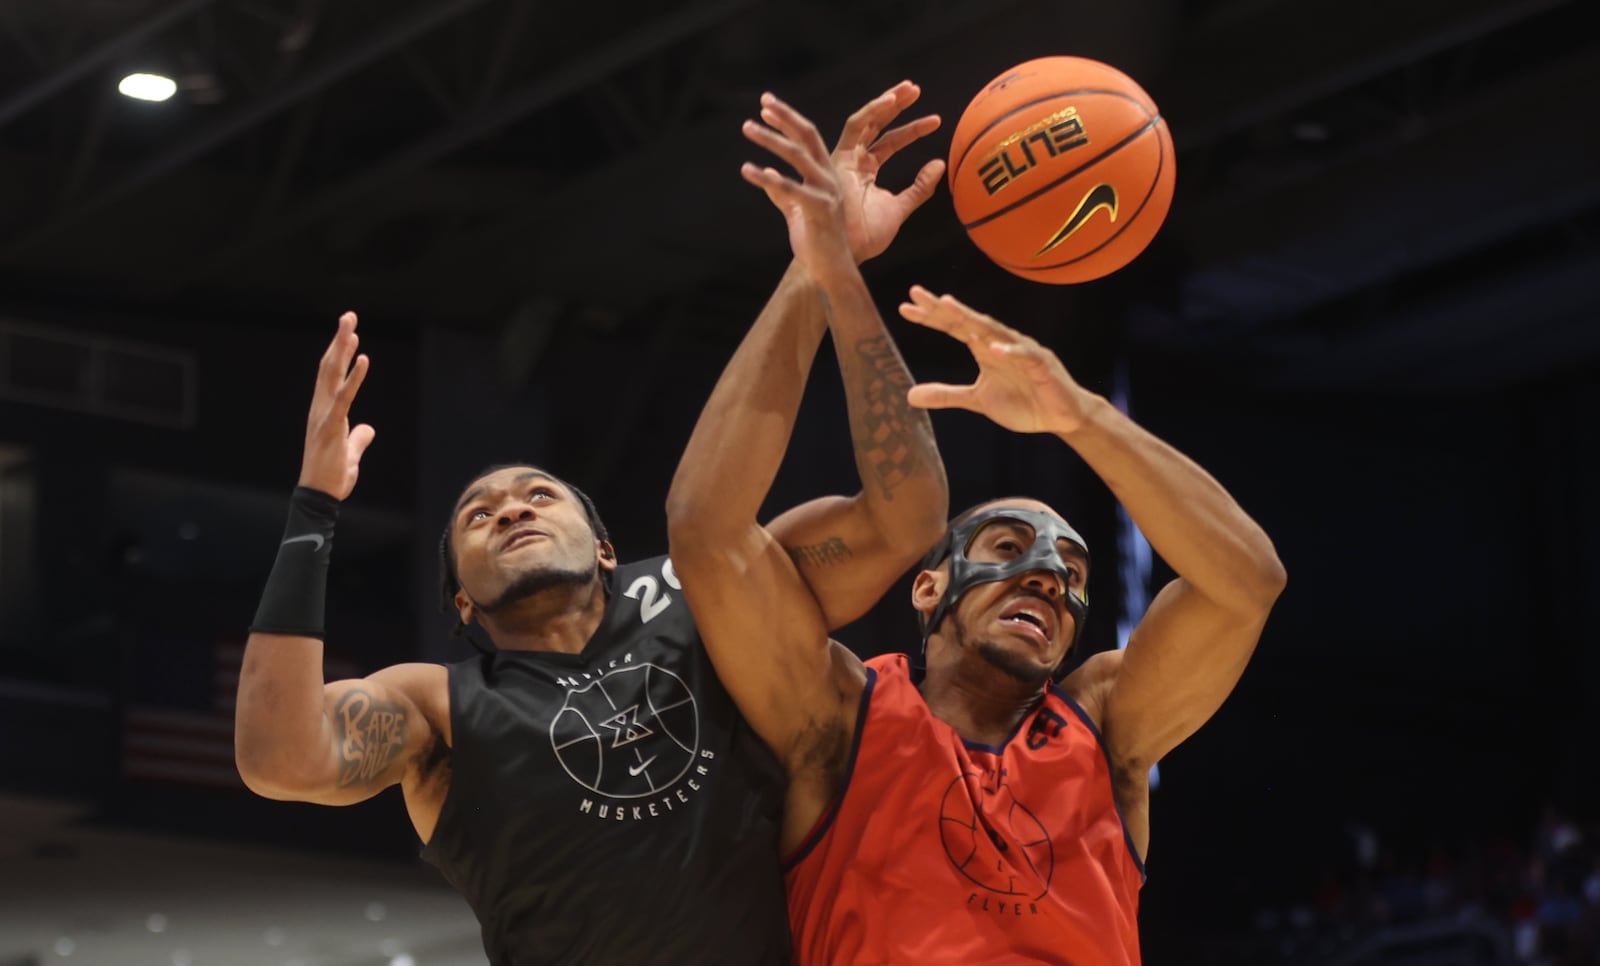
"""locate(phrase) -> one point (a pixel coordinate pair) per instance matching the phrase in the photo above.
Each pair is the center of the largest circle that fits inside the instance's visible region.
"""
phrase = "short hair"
(450, 581)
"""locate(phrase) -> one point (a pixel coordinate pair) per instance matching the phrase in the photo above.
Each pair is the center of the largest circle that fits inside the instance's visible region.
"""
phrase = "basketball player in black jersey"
(586, 783)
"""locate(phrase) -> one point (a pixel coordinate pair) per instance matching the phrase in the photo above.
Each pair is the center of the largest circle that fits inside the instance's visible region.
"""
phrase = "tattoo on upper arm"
(830, 551)
(372, 734)
(895, 436)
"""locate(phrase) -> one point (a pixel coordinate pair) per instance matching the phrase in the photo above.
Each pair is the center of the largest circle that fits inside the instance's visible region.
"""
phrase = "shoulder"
(416, 680)
(642, 591)
(425, 685)
(657, 570)
(1091, 682)
(889, 677)
(651, 565)
(644, 580)
(892, 665)
(849, 671)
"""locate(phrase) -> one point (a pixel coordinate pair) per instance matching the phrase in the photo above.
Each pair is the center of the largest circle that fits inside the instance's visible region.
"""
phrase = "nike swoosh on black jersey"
(1100, 196)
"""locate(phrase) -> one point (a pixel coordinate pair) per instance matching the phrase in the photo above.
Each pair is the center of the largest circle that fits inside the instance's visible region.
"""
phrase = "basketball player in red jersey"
(977, 811)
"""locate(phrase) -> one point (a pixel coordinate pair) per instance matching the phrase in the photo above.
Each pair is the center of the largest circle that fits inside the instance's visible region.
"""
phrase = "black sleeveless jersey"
(612, 806)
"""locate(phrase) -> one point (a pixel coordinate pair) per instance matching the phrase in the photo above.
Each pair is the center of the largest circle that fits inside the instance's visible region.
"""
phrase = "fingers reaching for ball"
(1021, 384)
(947, 314)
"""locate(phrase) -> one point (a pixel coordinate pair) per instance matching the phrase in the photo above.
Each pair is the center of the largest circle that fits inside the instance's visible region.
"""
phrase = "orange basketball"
(1062, 170)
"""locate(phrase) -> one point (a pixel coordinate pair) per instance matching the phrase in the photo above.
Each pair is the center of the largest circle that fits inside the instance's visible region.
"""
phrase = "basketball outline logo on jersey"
(973, 844)
(631, 732)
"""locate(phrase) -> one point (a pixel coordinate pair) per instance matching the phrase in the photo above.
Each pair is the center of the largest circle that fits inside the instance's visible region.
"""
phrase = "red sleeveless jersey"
(941, 850)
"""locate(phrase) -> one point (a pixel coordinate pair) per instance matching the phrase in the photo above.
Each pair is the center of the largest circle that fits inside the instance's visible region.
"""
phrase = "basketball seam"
(1022, 107)
(1080, 169)
(1161, 161)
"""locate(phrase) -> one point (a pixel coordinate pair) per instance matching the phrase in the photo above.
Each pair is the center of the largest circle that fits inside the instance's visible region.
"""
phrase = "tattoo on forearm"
(372, 734)
(895, 437)
(829, 552)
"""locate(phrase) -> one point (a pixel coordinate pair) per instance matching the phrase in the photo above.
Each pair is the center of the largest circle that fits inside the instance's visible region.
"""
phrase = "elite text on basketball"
(1019, 152)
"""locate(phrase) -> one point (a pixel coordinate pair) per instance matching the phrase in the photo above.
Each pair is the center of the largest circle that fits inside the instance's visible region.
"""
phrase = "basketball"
(1061, 170)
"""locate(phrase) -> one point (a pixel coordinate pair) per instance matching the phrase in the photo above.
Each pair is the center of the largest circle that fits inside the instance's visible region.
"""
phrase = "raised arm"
(761, 623)
(1187, 653)
(296, 738)
(850, 549)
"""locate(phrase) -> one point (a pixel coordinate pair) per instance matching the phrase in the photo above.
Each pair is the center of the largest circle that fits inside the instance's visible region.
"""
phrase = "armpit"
(434, 764)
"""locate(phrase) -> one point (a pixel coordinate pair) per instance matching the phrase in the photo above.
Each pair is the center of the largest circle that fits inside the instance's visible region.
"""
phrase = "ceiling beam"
(474, 124)
(1273, 63)
(623, 218)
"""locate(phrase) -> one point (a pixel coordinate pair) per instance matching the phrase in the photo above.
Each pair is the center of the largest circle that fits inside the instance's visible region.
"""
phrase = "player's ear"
(607, 554)
(927, 590)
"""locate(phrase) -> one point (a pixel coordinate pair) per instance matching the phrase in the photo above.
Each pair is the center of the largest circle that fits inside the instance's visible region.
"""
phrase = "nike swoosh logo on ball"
(635, 770)
(1100, 196)
(315, 539)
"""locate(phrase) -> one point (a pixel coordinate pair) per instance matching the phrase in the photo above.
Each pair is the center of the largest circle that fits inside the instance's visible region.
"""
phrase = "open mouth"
(1031, 618)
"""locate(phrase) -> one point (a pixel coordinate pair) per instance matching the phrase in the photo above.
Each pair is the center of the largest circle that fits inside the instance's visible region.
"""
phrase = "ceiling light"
(156, 923)
(376, 912)
(402, 960)
(65, 946)
(148, 87)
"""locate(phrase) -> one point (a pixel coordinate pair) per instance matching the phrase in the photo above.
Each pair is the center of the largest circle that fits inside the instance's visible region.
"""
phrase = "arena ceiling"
(1400, 195)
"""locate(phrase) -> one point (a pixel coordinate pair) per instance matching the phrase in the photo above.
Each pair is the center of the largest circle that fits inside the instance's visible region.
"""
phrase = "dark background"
(1372, 314)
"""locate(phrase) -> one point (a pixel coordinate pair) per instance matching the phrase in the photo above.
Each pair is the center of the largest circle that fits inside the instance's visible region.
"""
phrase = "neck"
(558, 619)
(981, 702)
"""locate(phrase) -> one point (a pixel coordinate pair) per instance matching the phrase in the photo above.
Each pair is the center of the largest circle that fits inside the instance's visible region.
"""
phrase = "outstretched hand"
(814, 205)
(874, 213)
(838, 194)
(333, 451)
(1021, 385)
